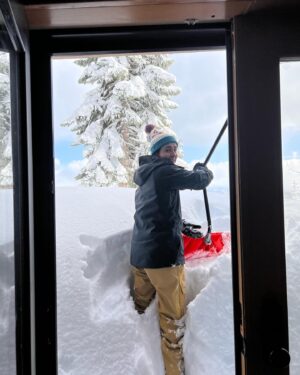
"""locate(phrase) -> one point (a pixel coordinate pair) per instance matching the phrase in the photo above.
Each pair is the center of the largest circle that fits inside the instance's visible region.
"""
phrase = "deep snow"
(7, 305)
(99, 331)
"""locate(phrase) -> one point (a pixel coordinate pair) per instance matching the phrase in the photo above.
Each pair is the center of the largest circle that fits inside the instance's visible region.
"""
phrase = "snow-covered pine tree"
(5, 124)
(128, 92)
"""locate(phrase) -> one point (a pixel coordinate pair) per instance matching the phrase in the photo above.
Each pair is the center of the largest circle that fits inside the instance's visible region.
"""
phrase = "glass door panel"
(7, 281)
(290, 122)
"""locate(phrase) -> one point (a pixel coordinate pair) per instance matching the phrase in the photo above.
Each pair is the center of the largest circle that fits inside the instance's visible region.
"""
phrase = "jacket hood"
(147, 164)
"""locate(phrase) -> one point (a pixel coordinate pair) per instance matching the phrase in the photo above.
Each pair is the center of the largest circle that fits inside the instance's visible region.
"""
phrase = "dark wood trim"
(233, 207)
(21, 215)
(44, 208)
(13, 15)
(11, 25)
(260, 41)
(45, 44)
(131, 39)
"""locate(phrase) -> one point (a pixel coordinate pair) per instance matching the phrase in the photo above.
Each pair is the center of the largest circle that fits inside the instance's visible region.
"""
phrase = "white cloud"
(65, 173)
(203, 99)
(290, 88)
(57, 165)
(220, 171)
(221, 174)
(76, 165)
(67, 95)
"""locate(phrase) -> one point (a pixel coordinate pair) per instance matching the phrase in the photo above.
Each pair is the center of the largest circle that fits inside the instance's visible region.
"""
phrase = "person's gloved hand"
(201, 167)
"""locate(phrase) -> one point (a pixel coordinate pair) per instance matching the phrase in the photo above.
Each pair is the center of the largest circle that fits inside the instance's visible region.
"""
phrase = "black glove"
(199, 166)
(191, 230)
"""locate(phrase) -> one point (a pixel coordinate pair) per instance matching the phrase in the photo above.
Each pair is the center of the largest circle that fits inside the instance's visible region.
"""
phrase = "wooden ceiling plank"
(138, 14)
(121, 3)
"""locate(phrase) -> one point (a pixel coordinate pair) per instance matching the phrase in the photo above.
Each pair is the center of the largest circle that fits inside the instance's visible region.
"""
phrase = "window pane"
(7, 295)
(290, 122)
(104, 103)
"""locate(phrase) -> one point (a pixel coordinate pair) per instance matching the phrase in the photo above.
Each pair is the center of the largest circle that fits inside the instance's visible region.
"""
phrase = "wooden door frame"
(260, 41)
(45, 44)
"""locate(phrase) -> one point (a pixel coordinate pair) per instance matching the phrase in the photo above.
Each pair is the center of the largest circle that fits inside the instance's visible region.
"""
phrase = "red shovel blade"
(197, 246)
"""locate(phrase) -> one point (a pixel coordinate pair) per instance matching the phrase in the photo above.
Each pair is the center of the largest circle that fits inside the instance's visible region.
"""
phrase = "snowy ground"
(99, 332)
(7, 306)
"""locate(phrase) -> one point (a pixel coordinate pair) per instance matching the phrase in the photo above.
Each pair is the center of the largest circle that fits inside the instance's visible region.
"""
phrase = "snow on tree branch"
(128, 92)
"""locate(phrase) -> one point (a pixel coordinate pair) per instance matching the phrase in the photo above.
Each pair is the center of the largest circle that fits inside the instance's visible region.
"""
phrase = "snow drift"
(99, 332)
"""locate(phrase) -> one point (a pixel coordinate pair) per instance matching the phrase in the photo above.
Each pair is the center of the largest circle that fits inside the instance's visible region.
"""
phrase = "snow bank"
(292, 238)
(99, 332)
(98, 328)
(7, 290)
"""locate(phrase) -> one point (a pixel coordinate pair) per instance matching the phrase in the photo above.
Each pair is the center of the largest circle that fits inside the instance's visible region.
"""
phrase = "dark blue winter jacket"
(156, 239)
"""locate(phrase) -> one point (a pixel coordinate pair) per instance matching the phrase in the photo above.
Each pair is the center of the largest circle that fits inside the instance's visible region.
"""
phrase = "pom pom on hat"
(158, 138)
(149, 128)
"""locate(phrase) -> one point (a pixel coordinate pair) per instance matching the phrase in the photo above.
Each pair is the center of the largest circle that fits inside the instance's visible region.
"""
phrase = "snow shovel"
(196, 244)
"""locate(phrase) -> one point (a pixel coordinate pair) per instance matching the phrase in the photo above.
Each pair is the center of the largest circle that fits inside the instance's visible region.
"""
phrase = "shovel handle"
(216, 142)
(207, 236)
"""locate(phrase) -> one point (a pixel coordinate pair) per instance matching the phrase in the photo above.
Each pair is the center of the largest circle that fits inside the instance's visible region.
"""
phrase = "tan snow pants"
(169, 284)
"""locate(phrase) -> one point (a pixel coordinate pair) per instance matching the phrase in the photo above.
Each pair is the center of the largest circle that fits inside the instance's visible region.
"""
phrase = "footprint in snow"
(107, 267)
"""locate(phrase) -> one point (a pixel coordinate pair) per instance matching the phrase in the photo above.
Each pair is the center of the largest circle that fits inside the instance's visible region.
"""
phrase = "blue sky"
(67, 95)
(201, 112)
(202, 103)
(290, 108)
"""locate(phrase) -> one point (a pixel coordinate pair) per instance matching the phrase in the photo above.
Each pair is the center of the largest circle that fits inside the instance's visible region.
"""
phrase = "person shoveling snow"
(157, 254)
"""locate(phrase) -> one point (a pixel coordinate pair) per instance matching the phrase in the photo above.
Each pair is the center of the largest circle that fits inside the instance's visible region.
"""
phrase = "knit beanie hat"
(158, 138)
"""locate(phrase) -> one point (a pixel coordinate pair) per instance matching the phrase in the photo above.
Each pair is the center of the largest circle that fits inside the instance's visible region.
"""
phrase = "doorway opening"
(101, 105)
